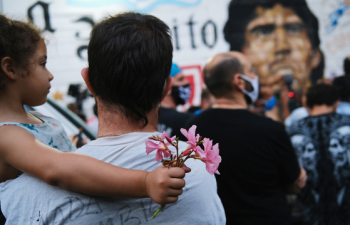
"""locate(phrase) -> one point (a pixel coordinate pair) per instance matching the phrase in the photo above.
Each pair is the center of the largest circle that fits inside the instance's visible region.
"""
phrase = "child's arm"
(82, 173)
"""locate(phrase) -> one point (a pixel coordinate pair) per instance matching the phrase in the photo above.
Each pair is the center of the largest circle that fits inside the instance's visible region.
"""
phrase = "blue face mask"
(270, 103)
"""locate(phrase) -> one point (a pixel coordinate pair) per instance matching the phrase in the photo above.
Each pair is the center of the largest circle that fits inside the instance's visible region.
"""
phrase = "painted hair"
(242, 12)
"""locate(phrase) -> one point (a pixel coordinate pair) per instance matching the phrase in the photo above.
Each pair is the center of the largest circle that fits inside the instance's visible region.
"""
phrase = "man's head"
(181, 90)
(129, 58)
(322, 95)
(229, 75)
(207, 99)
(346, 65)
(342, 84)
(280, 37)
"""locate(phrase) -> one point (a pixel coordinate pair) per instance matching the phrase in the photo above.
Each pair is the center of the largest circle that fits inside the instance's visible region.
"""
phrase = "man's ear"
(238, 81)
(85, 75)
(8, 67)
(167, 87)
(315, 58)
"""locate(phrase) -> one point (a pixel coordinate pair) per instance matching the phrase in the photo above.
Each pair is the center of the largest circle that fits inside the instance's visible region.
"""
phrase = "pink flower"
(162, 149)
(190, 135)
(187, 152)
(210, 156)
(165, 136)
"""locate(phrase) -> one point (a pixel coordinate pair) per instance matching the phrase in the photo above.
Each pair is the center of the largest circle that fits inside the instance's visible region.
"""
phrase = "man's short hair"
(218, 78)
(205, 94)
(346, 66)
(342, 84)
(130, 57)
(321, 94)
(242, 12)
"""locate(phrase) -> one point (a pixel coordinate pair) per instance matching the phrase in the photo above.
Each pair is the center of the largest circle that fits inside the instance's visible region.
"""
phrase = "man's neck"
(116, 123)
(168, 102)
(227, 103)
(318, 110)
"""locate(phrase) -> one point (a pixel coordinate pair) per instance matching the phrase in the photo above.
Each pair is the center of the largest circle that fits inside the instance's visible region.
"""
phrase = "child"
(25, 140)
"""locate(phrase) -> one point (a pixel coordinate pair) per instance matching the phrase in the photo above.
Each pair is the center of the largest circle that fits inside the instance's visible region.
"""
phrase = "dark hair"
(242, 12)
(130, 57)
(205, 94)
(18, 40)
(342, 84)
(346, 65)
(219, 77)
(321, 94)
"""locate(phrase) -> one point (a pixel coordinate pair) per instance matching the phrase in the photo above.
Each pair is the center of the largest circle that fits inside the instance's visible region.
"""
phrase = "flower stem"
(186, 159)
(158, 210)
(177, 152)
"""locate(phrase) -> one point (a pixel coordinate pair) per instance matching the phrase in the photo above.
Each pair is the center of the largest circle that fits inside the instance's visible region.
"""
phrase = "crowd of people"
(270, 148)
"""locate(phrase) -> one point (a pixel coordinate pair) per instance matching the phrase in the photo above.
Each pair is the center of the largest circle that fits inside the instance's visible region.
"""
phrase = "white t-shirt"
(296, 115)
(27, 200)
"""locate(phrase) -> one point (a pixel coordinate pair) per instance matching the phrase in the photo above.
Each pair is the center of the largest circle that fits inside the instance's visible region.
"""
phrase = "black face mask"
(181, 94)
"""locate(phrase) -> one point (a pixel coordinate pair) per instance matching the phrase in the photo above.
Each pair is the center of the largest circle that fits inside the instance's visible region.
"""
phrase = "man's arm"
(77, 172)
(291, 175)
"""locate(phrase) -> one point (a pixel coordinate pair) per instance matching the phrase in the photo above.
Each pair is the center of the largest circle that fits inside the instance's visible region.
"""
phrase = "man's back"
(258, 160)
(44, 204)
(322, 144)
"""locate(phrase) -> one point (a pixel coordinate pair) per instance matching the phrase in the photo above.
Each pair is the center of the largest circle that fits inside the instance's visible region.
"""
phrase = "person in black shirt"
(258, 163)
(322, 144)
(171, 120)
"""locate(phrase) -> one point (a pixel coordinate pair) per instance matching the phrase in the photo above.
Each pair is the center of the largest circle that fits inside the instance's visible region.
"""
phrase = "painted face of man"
(277, 43)
(338, 146)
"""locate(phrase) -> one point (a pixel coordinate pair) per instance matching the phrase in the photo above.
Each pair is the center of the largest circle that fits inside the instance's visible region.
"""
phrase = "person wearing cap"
(259, 165)
(171, 120)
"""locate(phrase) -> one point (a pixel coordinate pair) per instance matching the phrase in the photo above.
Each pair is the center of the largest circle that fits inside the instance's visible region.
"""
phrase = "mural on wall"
(307, 39)
(141, 6)
(66, 25)
(279, 37)
(334, 18)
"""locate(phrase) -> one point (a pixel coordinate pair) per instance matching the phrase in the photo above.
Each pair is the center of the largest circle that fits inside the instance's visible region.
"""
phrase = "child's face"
(36, 85)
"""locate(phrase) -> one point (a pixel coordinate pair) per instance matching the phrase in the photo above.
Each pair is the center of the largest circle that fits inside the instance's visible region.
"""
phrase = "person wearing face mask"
(259, 166)
(171, 120)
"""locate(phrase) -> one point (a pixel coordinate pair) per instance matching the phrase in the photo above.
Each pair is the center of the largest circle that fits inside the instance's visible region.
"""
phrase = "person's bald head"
(220, 70)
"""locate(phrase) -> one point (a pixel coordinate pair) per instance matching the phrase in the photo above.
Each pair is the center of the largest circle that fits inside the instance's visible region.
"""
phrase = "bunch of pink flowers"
(210, 155)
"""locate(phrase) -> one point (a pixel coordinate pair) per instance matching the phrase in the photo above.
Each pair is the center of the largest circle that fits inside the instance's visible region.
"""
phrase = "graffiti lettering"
(86, 20)
(83, 48)
(190, 24)
(176, 37)
(204, 37)
(45, 8)
(204, 33)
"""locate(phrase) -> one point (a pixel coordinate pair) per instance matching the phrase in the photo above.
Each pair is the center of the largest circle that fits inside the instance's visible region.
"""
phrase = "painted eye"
(294, 28)
(44, 64)
(264, 30)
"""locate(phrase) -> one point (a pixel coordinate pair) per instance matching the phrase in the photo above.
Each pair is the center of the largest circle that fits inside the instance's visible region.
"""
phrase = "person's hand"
(302, 179)
(164, 184)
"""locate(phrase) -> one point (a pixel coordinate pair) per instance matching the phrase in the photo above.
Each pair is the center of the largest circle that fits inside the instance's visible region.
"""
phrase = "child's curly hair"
(18, 40)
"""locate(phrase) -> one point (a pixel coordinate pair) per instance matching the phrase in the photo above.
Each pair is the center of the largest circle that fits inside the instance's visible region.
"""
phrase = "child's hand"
(164, 185)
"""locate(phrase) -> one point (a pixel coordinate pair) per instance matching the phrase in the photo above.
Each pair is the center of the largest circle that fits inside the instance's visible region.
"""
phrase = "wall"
(196, 25)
